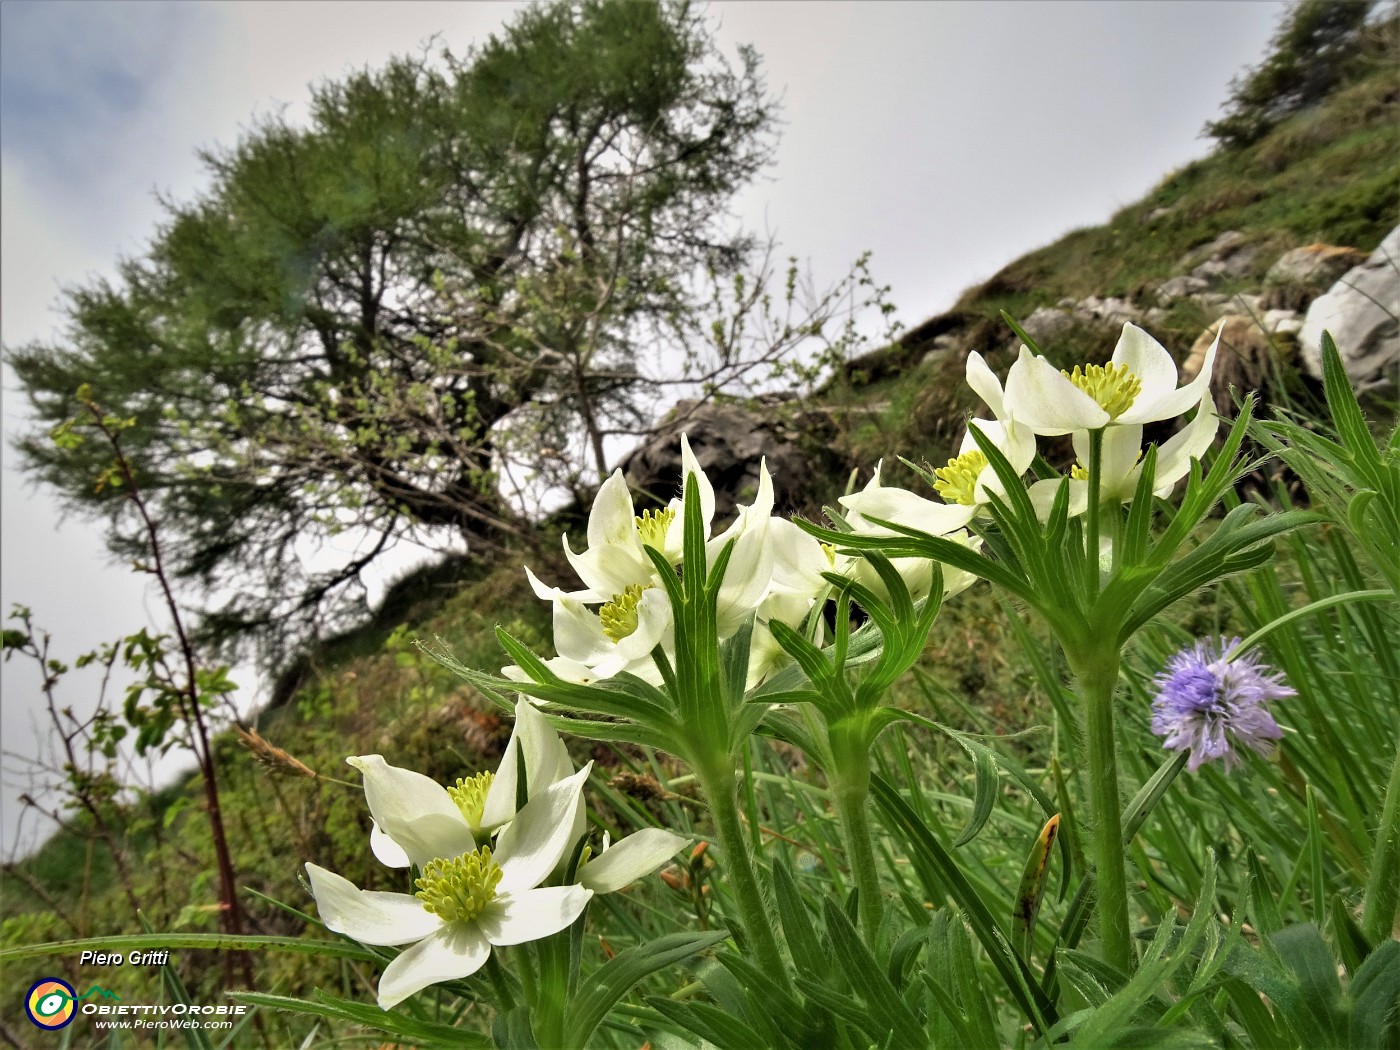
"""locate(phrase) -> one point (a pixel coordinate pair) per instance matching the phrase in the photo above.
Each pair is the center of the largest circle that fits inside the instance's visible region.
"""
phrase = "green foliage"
(1317, 46)
(455, 262)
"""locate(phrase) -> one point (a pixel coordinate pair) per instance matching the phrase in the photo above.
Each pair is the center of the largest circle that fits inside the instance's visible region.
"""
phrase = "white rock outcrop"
(1362, 311)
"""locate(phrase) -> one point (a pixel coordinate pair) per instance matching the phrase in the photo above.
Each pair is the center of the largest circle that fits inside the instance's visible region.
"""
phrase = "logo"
(50, 1003)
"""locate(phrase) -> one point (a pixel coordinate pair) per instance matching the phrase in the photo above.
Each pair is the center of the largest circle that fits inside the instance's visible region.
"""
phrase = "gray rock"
(1046, 323)
(1237, 264)
(1228, 242)
(1179, 288)
(1110, 311)
(1313, 265)
(1217, 304)
(729, 442)
(1362, 311)
(1282, 321)
(1226, 257)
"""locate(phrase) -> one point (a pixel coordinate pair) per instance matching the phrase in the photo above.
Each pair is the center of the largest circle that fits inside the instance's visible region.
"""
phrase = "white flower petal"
(547, 593)
(608, 570)
(413, 810)
(457, 950)
(569, 670)
(532, 844)
(1040, 397)
(612, 521)
(638, 854)
(528, 915)
(746, 577)
(905, 508)
(985, 384)
(578, 632)
(1179, 401)
(1191, 442)
(1122, 450)
(369, 916)
(386, 850)
(1149, 361)
(1042, 494)
(1011, 439)
(653, 621)
(798, 559)
(691, 465)
(546, 760)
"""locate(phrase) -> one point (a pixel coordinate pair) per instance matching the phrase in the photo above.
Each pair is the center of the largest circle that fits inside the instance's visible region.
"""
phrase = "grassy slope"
(1327, 175)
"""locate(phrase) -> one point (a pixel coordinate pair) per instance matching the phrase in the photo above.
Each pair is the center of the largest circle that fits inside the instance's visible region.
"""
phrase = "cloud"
(76, 79)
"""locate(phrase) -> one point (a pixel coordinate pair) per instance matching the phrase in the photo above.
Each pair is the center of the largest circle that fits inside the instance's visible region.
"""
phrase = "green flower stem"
(1383, 884)
(853, 805)
(719, 783)
(850, 784)
(1098, 677)
(1091, 514)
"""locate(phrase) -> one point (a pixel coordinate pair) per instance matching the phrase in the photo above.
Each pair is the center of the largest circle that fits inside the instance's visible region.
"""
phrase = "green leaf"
(603, 988)
(798, 931)
(868, 980)
(1314, 1012)
(710, 1023)
(1346, 412)
(985, 768)
(1156, 969)
(1375, 997)
(1016, 976)
(402, 1026)
(195, 1038)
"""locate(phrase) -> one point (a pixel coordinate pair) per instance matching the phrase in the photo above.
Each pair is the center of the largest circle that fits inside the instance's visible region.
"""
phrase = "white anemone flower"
(485, 801)
(619, 637)
(749, 572)
(1121, 462)
(1137, 386)
(614, 559)
(966, 483)
(636, 615)
(902, 507)
(469, 899)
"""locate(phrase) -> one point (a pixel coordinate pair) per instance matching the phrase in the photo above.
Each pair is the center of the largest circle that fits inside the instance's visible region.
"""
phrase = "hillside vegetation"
(1328, 173)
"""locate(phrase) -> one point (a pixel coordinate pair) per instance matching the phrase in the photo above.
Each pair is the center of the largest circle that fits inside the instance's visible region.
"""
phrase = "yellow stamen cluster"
(1114, 387)
(470, 795)
(652, 526)
(619, 616)
(1079, 472)
(458, 889)
(957, 482)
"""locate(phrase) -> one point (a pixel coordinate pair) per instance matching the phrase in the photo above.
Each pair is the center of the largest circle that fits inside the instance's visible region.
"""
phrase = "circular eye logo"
(50, 1003)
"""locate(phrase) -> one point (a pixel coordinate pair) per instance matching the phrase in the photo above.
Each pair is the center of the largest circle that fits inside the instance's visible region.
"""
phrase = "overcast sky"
(947, 138)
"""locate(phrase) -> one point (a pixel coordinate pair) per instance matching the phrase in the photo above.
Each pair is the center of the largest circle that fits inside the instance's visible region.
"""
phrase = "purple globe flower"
(1207, 702)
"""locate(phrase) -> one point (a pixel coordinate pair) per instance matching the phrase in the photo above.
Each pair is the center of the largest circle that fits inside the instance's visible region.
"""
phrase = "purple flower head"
(1207, 702)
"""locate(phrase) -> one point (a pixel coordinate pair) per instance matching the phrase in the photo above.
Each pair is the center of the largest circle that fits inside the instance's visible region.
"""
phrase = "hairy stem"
(1098, 676)
(719, 783)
